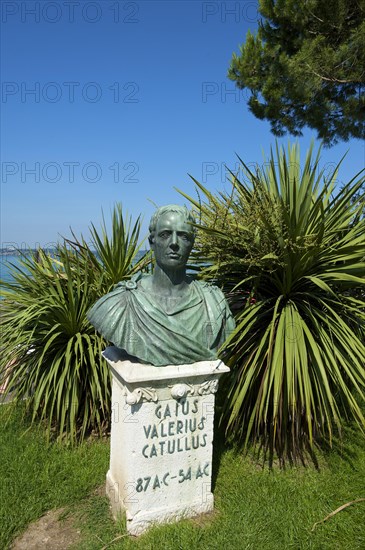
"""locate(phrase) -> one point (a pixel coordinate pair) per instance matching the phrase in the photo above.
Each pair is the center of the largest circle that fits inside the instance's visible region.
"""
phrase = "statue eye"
(164, 234)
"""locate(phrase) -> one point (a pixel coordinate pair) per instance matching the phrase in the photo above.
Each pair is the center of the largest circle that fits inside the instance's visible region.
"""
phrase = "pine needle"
(337, 510)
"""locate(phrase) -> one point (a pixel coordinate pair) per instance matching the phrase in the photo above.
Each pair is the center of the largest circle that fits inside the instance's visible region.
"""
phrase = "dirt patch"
(203, 520)
(53, 531)
(100, 491)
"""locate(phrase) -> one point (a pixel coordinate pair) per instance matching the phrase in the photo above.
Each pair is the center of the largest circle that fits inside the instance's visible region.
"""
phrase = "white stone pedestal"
(161, 440)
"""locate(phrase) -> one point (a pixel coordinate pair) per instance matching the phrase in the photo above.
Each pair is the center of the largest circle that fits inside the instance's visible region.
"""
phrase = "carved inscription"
(178, 428)
(156, 482)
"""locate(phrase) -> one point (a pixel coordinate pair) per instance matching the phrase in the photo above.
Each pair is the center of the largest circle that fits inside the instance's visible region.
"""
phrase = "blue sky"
(128, 98)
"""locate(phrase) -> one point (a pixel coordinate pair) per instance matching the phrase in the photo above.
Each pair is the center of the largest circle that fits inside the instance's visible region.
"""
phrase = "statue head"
(171, 236)
(188, 217)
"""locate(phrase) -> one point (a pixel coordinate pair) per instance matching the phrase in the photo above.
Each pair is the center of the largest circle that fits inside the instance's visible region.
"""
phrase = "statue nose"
(173, 242)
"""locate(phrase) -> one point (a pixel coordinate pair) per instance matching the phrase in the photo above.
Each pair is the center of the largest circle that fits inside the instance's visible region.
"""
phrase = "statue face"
(173, 241)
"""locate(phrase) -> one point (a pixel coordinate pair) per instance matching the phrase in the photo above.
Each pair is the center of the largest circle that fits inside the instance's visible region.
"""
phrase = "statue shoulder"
(131, 284)
(212, 293)
(118, 299)
(218, 304)
(209, 288)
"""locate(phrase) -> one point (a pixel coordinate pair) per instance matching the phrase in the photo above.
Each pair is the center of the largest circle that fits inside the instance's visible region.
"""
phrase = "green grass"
(255, 507)
(36, 477)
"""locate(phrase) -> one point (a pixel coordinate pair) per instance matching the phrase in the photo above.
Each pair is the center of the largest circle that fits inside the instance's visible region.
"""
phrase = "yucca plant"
(289, 251)
(51, 355)
(113, 256)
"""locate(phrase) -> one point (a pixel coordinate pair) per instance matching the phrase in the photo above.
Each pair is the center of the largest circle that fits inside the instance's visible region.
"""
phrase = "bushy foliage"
(51, 355)
(305, 67)
(289, 251)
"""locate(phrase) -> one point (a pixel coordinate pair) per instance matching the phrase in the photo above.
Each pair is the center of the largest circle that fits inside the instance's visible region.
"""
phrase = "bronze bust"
(166, 318)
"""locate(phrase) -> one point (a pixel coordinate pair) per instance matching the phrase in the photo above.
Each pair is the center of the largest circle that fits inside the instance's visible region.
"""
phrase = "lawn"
(255, 507)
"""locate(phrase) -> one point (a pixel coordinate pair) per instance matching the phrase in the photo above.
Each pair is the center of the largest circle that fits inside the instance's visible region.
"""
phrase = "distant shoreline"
(19, 252)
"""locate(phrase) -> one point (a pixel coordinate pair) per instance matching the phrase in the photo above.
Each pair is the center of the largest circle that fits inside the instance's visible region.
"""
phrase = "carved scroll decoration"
(141, 394)
(182, 390)
(210, 386)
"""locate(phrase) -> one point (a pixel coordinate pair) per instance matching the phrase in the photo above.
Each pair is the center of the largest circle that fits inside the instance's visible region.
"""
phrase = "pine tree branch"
(337, 80)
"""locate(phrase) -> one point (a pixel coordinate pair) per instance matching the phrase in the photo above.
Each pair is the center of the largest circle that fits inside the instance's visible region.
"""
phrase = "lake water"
(5, 268)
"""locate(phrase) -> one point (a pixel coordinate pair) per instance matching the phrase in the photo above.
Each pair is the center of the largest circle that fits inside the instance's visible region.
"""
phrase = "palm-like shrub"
(289, 252)
(51, 355)
(112, 257)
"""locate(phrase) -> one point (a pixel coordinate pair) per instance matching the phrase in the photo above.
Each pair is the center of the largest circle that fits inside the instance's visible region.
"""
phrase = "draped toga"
(161, 331)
